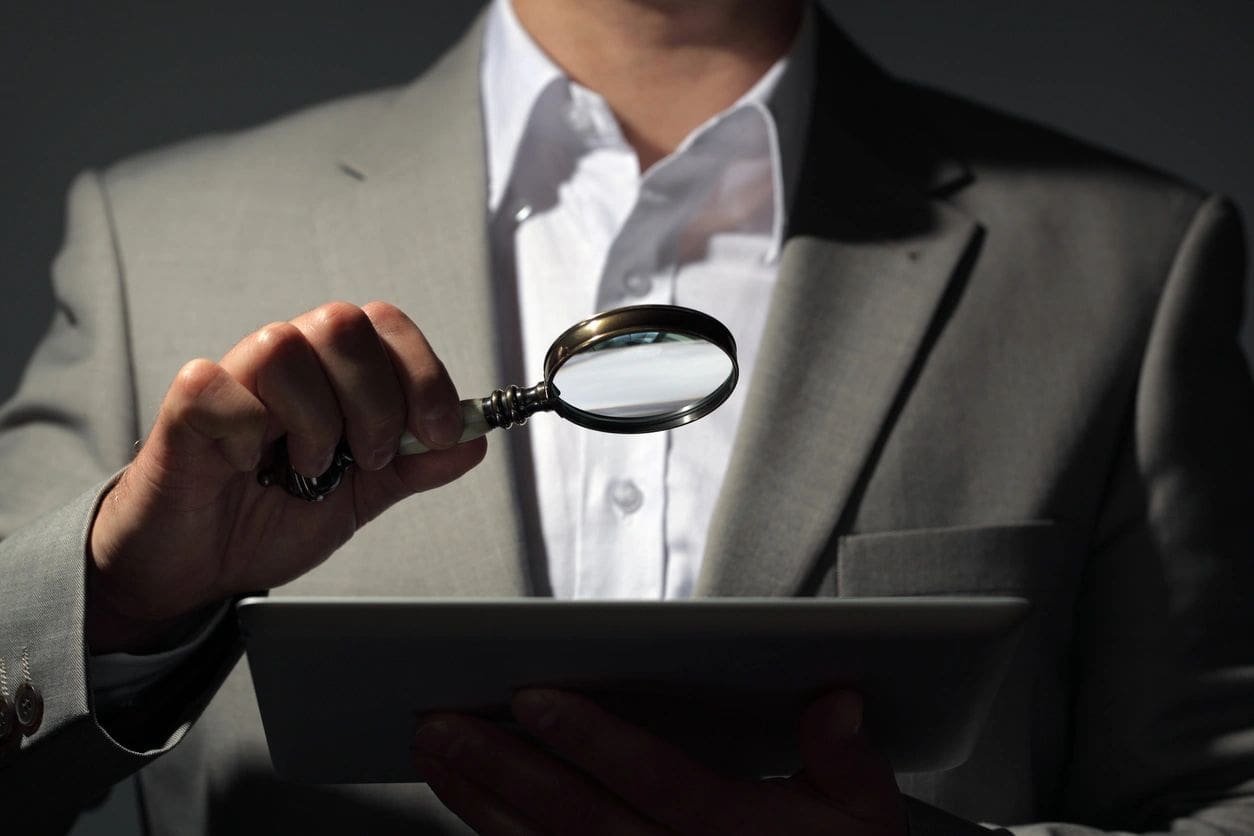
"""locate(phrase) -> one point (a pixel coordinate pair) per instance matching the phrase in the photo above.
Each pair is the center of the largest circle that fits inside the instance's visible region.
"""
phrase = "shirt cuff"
(118, 679)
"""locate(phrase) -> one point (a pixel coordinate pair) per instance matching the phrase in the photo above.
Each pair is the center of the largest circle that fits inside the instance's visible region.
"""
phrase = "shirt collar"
(516, 72)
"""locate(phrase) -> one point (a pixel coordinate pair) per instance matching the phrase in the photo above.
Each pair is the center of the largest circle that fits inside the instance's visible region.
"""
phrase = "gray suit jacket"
(996, 361)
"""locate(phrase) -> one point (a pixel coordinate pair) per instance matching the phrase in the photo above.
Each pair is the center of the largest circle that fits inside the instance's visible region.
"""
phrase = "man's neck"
(663, 66)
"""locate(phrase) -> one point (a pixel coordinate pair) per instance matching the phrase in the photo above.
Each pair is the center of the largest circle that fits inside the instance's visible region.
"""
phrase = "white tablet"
(341, 681)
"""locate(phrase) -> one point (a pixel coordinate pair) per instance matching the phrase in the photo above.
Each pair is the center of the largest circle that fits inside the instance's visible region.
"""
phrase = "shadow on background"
(83, 84)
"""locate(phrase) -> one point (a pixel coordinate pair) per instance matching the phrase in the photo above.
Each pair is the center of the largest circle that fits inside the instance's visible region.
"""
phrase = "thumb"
(413, 473)
(840, 763)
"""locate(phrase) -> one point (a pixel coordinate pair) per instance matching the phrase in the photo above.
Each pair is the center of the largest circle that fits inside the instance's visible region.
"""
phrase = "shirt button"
(626, 496)
(638, 284)
(522, 213)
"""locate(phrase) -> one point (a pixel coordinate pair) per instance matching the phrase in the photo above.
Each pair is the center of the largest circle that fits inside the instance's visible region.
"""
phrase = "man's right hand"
(188, 524)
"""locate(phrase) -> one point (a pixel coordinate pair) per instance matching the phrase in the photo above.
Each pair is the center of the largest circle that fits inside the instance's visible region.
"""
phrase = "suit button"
(29, 708)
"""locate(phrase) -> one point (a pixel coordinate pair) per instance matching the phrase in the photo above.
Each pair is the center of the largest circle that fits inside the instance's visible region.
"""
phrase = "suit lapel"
(863, 278)
(869, 260)
(408, 221)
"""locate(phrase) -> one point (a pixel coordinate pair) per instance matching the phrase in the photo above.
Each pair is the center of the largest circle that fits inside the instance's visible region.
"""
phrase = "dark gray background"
(82, 84)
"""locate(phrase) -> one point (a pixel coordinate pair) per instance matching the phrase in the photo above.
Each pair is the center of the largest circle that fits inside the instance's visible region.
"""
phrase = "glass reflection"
(642, 374)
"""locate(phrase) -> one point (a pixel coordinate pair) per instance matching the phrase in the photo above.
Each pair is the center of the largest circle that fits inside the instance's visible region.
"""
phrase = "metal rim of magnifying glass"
(634, 319)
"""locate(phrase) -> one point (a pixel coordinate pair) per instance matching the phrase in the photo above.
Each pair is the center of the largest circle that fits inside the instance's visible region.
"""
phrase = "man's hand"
(617, 780)
(188, 524)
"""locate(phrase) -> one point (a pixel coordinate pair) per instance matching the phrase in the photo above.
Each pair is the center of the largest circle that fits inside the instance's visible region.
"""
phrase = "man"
(981, 359)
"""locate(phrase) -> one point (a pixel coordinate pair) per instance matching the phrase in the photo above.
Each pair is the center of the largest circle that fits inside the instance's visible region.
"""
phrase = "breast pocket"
(1028, 559)
(1036, 560)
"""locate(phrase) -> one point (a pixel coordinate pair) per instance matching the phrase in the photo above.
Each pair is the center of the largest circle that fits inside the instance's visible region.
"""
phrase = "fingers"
(618, 779)
(207, 412)
(499, 783)
(478, 807)
(281, 367)
(431, 399)
(438, 467)
(673, 790)
(361, 376)
(413, 474)
(840, 762)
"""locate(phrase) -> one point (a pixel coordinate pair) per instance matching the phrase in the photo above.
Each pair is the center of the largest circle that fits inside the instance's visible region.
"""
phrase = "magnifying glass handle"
(314, 488)
(474, 422)
(503, 408)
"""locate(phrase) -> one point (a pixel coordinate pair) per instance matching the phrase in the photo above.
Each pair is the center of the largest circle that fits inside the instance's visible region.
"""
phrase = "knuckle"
(196, 377)
(339, 321)
(277, 337)
(386, 316)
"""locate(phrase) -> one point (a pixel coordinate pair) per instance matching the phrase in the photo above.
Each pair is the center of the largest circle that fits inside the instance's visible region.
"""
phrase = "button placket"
(622, 549)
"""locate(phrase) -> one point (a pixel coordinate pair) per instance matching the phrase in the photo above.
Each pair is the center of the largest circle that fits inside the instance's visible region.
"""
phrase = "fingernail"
(381, 457)
(430, 769)
(537, 709)
(847, 713)
(324, 464)
(443, 430)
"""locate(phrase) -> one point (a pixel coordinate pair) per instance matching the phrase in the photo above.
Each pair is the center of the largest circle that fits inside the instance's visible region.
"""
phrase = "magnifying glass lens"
(642, 374)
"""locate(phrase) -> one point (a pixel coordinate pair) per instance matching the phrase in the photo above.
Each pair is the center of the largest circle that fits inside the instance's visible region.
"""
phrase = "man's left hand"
(612, 778)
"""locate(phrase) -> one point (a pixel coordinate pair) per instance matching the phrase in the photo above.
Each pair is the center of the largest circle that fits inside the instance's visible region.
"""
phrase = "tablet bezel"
(740, 669)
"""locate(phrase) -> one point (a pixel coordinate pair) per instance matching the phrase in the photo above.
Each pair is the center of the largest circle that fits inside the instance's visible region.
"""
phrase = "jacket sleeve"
(69, 428)
(1164, 709)
(1163, 678)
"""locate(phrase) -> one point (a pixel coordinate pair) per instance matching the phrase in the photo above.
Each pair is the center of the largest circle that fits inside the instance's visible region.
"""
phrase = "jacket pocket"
(1027, 559)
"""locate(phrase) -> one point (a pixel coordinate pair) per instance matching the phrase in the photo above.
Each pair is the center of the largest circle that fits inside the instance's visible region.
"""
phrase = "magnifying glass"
(638, 369)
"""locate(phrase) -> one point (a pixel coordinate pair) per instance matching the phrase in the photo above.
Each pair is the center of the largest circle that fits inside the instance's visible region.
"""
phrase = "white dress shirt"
(580, 230)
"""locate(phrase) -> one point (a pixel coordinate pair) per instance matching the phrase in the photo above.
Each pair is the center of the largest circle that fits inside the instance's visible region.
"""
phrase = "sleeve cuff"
(118, 679)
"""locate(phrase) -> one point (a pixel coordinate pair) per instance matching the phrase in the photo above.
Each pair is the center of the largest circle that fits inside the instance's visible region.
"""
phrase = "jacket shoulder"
(1038, 165)
(291, 153)
(1102, 222)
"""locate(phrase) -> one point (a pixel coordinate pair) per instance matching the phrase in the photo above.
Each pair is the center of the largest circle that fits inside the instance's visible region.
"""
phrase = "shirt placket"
(622, 531)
